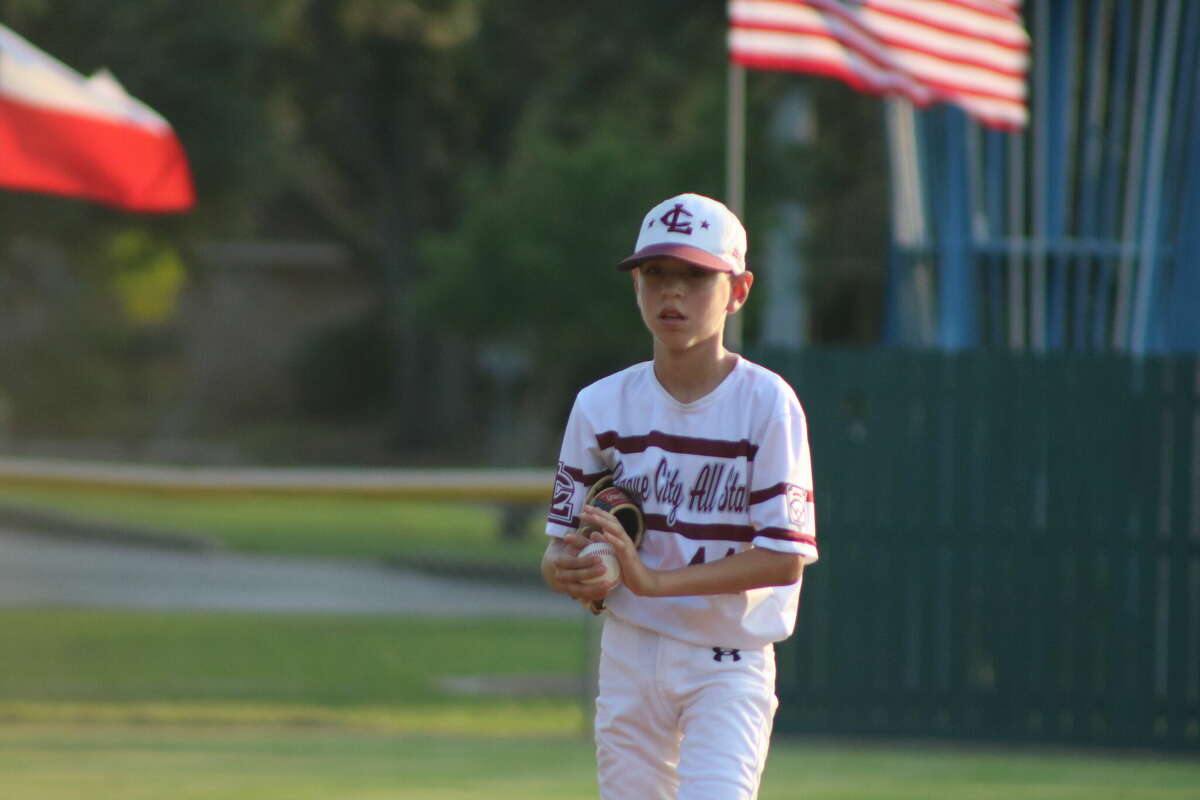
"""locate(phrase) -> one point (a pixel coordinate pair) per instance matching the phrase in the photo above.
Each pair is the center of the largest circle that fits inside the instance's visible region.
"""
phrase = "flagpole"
(735, 172)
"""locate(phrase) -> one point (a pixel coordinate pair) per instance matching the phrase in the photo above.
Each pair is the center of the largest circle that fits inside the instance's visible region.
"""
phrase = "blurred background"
(405, 220)
(259, 450)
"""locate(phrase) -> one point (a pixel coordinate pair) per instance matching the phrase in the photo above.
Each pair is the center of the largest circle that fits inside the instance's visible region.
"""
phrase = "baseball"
(612, 567)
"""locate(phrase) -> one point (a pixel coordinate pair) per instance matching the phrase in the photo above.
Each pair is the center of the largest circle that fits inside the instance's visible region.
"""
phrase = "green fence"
(1010, 548)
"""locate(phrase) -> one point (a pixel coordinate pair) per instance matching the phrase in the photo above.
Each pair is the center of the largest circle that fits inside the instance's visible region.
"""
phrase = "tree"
(370, 114)
(633, 117)
(485, 162)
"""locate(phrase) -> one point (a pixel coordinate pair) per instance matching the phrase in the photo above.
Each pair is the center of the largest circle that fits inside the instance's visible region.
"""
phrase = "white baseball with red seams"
(608, 557)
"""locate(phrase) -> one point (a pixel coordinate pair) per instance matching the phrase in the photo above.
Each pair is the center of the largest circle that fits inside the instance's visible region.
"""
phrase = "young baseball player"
(716, 449)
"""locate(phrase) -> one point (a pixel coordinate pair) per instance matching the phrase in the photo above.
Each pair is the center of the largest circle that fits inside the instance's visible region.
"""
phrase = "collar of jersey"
(700, 402)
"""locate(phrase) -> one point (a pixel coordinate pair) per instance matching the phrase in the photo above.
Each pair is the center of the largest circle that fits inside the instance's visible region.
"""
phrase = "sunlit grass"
(353, 527)
(131, 762)
(307, 660)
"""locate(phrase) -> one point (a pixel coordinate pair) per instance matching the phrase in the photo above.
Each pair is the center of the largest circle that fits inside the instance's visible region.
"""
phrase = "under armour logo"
(674, 222)
(719, 653)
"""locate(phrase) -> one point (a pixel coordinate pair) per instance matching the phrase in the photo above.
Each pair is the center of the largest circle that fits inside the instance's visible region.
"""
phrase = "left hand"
(636, 576)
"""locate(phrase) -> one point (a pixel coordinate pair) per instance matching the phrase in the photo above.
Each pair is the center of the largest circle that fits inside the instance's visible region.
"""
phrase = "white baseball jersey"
(716, 476)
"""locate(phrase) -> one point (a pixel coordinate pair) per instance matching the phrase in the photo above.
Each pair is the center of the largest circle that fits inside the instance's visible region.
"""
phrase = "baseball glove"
(625, 507)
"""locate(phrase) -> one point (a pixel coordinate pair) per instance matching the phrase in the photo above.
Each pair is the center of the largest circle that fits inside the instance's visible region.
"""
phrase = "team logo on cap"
(674, 222)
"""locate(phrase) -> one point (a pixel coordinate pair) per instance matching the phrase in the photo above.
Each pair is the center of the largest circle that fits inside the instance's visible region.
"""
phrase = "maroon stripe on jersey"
(787, 535)
(587, 479)
(719, 532)
(684, 445)
(699, 532)
(763, 495)
(725, 533)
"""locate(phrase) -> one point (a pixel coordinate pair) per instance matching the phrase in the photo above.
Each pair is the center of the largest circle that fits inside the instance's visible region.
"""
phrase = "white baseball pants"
(679, 722)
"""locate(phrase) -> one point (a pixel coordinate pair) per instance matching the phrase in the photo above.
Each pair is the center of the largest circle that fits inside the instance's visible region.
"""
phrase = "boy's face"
(684, 305)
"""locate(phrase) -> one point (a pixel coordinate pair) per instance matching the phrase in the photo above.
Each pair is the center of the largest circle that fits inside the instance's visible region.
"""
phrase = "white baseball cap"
(695, 229)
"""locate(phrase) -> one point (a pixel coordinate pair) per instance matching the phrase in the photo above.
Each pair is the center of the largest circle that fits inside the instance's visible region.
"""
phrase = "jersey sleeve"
(782, 510)
(579, 466)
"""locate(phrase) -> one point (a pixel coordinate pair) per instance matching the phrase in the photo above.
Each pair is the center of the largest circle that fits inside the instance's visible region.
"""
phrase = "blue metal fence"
(1081, 233)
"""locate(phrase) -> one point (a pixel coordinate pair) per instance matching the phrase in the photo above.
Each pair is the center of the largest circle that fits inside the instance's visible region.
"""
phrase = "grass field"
(299, 525)
(138, 705)
(133, 705)
(54, 762)
(385, 671)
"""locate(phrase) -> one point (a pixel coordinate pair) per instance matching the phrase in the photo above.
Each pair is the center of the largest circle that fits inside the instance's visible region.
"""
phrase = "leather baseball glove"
(624, 506)
(621, 504)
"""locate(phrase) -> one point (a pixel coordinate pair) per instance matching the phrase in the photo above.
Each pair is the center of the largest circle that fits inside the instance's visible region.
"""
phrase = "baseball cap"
(695, 229)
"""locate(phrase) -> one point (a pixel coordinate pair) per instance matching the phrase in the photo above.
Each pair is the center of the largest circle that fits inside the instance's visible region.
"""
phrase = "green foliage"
(531, 259)
(844, 184)
(537, 247)
(146, 277)
(484, 163)
(341, 372)
(48, 378)
(81, 368)
(92, 357)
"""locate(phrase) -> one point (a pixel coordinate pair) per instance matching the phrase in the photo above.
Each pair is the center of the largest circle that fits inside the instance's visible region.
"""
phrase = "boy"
(716, 448)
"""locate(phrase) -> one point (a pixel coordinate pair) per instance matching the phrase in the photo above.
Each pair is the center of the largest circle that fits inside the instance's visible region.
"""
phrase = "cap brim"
(684, 252)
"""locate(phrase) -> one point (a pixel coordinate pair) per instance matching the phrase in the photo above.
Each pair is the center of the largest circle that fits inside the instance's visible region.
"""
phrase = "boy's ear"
(740, 285)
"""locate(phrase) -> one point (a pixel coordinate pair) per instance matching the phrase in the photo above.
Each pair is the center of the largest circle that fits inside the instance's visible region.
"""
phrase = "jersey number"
(700, 556)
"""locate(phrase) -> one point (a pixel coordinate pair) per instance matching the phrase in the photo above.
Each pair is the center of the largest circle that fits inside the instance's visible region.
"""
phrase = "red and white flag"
(973, 53)
(65, 134)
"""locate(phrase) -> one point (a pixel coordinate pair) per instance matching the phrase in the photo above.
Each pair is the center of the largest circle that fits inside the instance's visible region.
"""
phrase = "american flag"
(973, 53)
